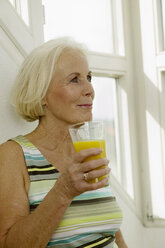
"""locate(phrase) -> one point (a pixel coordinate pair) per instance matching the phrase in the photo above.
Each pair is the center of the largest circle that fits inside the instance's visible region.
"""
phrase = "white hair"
(35, 75)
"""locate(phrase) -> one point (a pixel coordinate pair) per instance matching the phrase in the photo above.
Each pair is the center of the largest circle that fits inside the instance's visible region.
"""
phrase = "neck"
(51, 134)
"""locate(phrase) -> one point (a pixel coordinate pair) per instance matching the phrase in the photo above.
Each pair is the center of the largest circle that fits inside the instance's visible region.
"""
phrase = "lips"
(85, 106)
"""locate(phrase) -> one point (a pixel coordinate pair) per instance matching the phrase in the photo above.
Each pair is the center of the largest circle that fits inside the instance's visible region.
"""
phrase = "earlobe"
(44, 102)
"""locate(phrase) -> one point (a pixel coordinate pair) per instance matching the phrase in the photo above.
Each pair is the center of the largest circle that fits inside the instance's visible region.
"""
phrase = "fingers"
(97, 185)
(101, 171)
(79, 176)
(93, 164)
(86, 153)
(75, 181)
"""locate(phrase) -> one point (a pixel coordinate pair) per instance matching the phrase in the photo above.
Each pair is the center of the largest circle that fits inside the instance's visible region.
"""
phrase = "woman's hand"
(72, 181)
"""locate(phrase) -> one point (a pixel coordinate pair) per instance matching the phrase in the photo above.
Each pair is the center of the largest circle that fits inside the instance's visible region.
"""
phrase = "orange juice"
(86, 144)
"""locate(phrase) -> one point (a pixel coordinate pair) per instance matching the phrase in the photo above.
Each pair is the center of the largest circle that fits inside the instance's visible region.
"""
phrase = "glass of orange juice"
(89, 135)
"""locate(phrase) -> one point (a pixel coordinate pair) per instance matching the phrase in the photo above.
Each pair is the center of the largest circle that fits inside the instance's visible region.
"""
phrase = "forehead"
(72, 60)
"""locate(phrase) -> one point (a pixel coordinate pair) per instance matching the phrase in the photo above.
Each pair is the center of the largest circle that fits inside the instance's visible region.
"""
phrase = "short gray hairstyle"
(36, 73)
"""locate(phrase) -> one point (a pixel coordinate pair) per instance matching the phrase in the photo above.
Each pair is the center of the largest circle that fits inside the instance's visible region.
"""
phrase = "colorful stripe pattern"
(92, 218)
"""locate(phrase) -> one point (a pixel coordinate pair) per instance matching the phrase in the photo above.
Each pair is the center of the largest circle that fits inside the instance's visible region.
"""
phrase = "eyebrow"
(77, 73)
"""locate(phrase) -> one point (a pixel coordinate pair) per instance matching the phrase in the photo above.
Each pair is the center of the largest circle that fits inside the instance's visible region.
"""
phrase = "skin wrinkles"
(64, 96)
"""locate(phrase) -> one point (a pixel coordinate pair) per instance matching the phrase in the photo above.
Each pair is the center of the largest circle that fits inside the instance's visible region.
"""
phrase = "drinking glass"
(89, 135)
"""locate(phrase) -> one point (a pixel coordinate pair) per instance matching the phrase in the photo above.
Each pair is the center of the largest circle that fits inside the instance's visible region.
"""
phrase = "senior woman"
(45, 200)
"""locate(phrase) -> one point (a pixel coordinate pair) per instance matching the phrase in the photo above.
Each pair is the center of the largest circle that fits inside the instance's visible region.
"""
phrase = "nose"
(88, 89)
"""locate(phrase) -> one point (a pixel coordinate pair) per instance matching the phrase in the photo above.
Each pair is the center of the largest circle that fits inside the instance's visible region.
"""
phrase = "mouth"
(85, 106)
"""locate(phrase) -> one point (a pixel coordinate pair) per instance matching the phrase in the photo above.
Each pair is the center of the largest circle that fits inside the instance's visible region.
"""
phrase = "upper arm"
(120, 240)
(13, 189)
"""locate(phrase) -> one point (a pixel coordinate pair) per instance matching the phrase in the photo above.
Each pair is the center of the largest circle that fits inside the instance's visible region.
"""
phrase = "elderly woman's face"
(70, 94)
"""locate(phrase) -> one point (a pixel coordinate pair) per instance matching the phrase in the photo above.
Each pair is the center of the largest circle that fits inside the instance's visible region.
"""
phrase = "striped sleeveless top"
(92, 218)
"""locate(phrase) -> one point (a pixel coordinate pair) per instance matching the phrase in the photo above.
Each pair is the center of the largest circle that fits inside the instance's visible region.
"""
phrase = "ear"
(44, 102)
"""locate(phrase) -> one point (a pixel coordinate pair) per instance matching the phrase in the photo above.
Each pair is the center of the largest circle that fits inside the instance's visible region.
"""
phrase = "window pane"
(21, 7)
(120, 33)
(125, 145)
(12, 2)
(157, 173)
(110, 105)
(88, 21)
(24, 13)
(163, 20)
(157, 183)
(104, 109)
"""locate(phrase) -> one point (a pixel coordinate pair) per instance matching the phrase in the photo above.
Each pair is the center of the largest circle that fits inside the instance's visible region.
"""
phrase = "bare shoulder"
(9, 149)
(12, 162)
(14, 186)
(11, 152)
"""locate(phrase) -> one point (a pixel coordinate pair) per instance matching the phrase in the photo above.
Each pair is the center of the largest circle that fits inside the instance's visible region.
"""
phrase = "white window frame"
(129, 71)
(158, 26)
(160, 68)
(121, 68)
(16, 41)
(28, 36)
(129, 74)
(113, 65)
(150, 57)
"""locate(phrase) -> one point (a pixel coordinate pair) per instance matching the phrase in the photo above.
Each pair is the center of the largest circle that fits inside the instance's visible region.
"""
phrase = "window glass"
(119, 28)
(88, 21)
(12, 2)
(157, 173)
(125, 146)
(21, 7)
(110, 105)
(104, 109)
(163, 21)
(24, 13)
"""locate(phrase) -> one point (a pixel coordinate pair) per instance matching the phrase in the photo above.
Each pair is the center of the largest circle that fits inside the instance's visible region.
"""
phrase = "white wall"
(16, 40)
(141, 55)
(136, 235)
(134, 232)
(10, 123)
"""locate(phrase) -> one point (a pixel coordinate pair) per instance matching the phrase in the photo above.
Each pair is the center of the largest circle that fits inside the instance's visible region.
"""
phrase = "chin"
(82, 119)
(86, 117)
(89, 119)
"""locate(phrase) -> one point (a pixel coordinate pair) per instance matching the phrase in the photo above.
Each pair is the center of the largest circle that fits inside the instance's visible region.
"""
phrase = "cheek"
(67, 96)
(93, 95)
(93, 92)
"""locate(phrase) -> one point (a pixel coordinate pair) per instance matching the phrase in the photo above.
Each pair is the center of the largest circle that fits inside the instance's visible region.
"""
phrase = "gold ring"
(86, 176)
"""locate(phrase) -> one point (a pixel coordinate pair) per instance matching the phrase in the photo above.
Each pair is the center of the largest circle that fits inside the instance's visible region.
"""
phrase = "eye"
(89, 78)
(74, 80)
